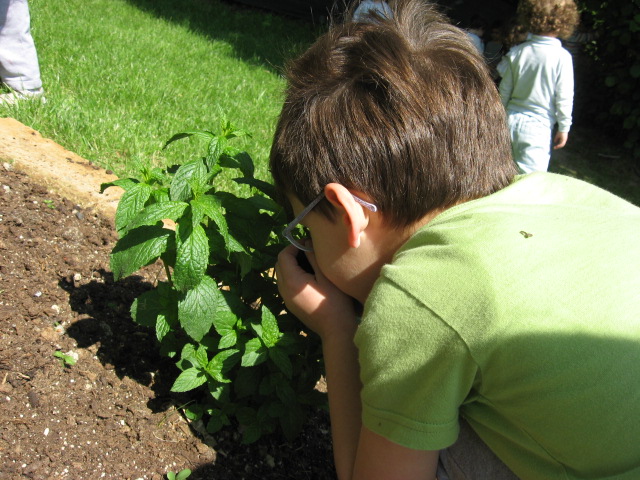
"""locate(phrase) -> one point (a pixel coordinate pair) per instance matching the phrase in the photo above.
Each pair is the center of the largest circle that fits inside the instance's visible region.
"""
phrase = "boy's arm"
(331, 314)
(380, 459)
(358, 452)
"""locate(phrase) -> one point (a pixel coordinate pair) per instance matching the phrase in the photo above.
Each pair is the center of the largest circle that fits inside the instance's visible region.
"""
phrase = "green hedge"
(613, 96)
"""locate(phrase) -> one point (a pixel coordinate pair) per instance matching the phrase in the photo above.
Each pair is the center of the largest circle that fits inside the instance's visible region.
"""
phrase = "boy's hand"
(311, 297)
(560, 140)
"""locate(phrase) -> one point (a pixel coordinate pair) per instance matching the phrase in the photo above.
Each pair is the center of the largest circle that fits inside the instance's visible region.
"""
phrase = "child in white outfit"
(537, 82)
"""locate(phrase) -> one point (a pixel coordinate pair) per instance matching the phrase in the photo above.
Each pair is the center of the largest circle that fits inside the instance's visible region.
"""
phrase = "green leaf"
(228, 340)
(146, 308)
(188, 174)
(162, 327)
(169, 345)
(251, 434)
(139, 247)
(246, 223)
(221, 363)
(161, 195)
(270, 331)
(276, 409)
(194, 412)
(156, 309)
(194, 133)
(224, 323)
(244, 260)
(124, 183)
(64, 358)
(188, 380)
(183, 474)
(188, 353)
(154, 175)
(219, 391)
(292, 421)
(255, 353)
(285, 393)
(281, 359)
(263, 203)
(211, 206)
(268, 384)
(238, 159)
(192, 255)
(201, 356)
(214, 151)
(246, 382)
(157, 212)
(246, 416)
(265, 187)
(215, 423)
(198, 307)
(130, 204)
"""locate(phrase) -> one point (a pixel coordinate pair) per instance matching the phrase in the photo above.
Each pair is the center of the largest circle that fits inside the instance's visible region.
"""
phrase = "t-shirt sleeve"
(564, 93)
(416, 371)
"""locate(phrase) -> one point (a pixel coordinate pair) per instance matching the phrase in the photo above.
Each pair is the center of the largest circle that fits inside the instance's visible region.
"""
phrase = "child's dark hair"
(558, 17)
(403, 110)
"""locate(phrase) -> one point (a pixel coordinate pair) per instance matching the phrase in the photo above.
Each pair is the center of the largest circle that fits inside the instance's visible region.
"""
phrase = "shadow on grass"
(594, 157)
(257, 37)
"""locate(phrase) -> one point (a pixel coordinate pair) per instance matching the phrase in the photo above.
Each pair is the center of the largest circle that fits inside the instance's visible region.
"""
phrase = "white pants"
(530, 142)
(19, 68)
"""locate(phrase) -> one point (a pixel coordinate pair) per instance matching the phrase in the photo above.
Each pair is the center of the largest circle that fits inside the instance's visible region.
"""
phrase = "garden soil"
(111, 414)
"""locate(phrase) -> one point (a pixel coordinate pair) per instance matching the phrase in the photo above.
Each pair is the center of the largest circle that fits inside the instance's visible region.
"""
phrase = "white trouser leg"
(530, 142)
(19, 68)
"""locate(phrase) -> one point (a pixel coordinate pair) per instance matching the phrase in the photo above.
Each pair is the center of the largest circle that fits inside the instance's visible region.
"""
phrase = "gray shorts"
(470, 459)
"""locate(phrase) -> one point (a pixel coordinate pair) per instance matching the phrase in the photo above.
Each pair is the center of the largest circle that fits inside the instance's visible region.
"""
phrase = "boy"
(537, 82)
(499, 332)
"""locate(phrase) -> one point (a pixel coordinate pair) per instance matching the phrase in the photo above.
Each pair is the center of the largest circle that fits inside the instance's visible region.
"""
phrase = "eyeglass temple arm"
(364, 203)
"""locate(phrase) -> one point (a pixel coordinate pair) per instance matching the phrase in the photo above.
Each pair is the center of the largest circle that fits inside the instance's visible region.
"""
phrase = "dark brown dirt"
(111, 415)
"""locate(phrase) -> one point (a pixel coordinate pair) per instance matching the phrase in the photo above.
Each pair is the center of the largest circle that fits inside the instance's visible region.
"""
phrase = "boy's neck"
(384, 242)
(550, 34)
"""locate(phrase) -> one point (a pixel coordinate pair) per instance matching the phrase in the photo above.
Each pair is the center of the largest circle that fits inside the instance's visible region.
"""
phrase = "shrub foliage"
(247, 361)
(616, 54)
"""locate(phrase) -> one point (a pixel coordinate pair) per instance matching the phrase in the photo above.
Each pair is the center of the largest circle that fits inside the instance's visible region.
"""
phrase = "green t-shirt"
(519, 311)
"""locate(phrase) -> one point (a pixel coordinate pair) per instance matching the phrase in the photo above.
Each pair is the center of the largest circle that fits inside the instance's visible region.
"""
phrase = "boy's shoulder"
(548, 202)
(548, 190)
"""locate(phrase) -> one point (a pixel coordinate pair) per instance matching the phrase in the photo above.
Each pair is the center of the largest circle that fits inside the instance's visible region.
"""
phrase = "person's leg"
(19, 67)
(470, 459)
(530, 143)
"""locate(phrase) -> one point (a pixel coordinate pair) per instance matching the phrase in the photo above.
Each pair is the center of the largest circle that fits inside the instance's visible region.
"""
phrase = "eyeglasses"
(299, 243)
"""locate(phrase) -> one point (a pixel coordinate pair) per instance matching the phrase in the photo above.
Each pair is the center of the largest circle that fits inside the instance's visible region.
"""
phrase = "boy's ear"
(350, 212)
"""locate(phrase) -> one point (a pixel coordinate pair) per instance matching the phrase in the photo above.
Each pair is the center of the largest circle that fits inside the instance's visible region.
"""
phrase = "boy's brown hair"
(557, 17)
(403, 110)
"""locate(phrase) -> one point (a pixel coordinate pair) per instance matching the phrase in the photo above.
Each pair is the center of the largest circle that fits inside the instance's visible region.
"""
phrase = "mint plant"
(247, 362)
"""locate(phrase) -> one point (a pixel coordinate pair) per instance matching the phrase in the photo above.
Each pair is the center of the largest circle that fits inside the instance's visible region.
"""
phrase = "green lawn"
(122, 76)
